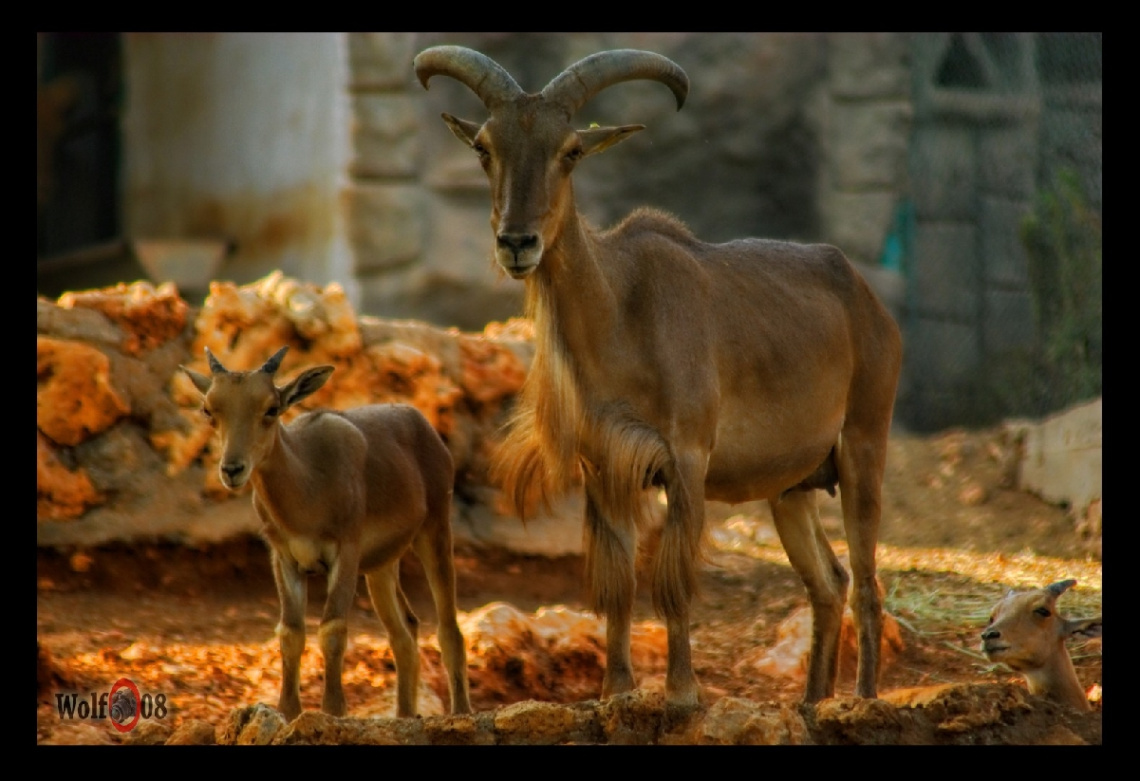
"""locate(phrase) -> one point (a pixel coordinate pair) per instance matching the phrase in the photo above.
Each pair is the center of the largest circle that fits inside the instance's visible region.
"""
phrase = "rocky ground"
(197, 626)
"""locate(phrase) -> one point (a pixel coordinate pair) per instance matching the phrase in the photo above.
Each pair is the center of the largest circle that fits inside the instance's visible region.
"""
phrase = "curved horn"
(482, 75)
(274, 363)
(587, 77)
(215, 365)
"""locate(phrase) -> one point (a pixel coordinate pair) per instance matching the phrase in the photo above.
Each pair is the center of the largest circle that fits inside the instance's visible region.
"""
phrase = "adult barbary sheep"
(340, 493)
(746, 370)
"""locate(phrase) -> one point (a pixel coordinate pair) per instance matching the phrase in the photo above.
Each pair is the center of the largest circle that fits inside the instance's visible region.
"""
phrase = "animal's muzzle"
(517, 243)
(233, 474)
(518, 253)
(991, 642)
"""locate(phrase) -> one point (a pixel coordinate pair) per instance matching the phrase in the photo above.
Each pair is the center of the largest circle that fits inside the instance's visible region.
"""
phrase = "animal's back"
(795, 333)
(737, 282)
(403, 450)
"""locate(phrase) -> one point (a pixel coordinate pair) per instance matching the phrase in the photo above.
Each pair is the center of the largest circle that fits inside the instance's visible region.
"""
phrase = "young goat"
(340, 493)
(746, 370)
(1026, 633)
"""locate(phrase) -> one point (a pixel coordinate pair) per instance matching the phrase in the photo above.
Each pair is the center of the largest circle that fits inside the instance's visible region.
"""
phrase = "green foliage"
(1062, 239)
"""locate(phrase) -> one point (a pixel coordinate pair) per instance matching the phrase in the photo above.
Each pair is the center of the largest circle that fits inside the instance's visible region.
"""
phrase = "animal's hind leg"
(675, 571)
(292, 590)
(433, 546)
(797, 521)
(861, 461)
(401, 623)
(334, 628)
(611, 581)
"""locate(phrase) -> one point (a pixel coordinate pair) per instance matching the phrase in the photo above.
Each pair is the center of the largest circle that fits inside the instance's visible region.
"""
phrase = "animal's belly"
(384, 542)
(768, 442)
(312, 556)
(748, 469)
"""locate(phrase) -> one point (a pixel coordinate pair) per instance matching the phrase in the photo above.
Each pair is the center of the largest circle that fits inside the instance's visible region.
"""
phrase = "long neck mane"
(539, 457)
(558, 427)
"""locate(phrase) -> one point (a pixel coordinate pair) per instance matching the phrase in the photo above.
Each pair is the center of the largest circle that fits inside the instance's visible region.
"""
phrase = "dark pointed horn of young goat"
(482, 75)
(215, 365)
(589, 76)
(1061, 586)
(274, 363)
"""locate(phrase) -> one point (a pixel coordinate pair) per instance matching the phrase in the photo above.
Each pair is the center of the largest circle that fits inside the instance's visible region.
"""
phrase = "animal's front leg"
(292, 588)
(610, 551)
(334, 627)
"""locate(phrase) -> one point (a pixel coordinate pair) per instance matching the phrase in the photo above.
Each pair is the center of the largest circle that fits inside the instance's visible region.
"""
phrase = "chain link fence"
(1002, 229)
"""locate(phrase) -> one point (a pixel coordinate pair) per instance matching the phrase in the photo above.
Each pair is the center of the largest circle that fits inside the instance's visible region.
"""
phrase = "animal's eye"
(1043, 612)
(481, 151)
(272, 412)
(574, 155)
(209, 416)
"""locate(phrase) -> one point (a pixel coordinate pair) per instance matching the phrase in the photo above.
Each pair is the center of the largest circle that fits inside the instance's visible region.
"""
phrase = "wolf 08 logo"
(123, 705)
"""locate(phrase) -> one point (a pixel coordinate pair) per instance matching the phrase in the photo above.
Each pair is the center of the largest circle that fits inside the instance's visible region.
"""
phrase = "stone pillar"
(242, 137)
(866, 120)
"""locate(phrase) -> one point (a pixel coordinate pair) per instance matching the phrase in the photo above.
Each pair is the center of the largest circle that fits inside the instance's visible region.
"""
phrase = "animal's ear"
(1086, 627)
(463, 129)
(306, 383)
(598, 139)
(201, 382)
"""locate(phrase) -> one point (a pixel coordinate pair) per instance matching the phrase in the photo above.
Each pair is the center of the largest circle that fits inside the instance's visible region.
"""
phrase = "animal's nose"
(991, 634)
(233, 471)
(517, 242)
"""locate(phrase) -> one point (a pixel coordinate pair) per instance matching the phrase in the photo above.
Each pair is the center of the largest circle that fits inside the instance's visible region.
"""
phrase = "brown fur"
(751, 369)
(341, 493)
(1026, 633)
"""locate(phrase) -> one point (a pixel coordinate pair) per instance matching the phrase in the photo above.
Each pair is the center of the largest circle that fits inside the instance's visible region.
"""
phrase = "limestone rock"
(735, 721)
(74, 395)
(788, 657)
(555, 653)
(150, 733)
(60, 492)
(193, 732)
(147, 316)
(255, 725)
(545, 723)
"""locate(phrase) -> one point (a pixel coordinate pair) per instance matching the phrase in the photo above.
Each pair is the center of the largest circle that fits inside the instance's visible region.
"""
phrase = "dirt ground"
(199, 624)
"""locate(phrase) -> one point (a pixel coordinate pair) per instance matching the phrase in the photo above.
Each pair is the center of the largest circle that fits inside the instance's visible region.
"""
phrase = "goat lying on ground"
(746, 370)
(341, 493)
(1026, 633)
